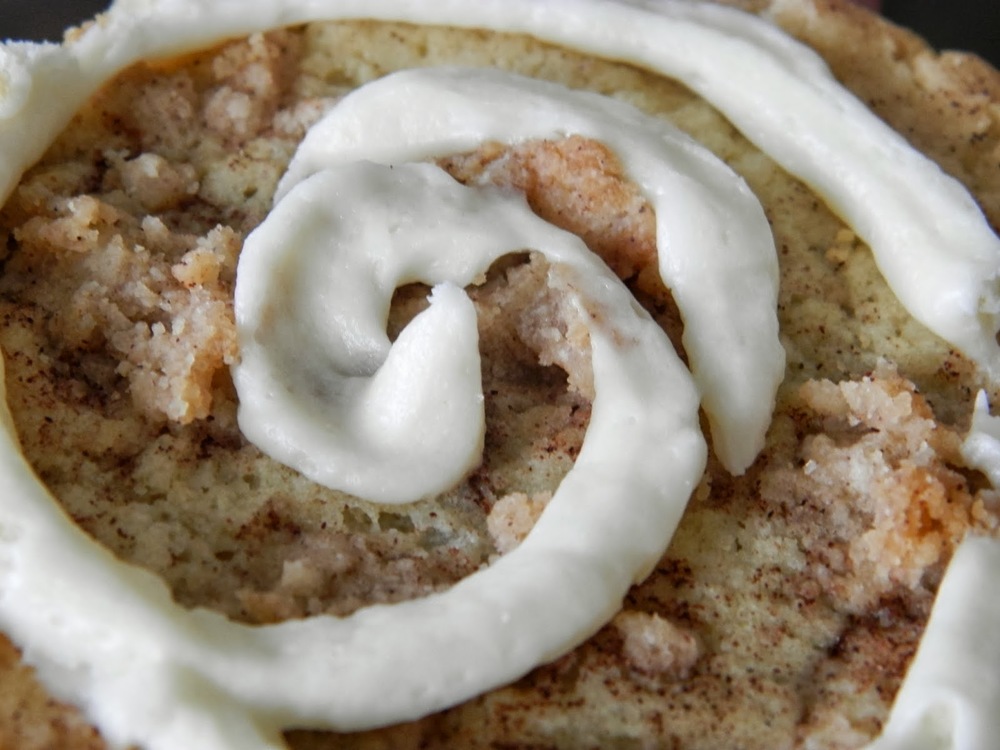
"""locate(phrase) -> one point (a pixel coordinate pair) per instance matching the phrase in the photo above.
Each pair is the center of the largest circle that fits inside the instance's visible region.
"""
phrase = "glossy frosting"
(715, 248)
(107, 636)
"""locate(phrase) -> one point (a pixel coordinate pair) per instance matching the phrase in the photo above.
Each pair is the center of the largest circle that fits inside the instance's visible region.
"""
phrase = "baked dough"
(792, 598)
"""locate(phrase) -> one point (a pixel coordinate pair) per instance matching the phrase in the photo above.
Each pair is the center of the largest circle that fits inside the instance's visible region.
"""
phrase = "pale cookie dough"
(792, 599)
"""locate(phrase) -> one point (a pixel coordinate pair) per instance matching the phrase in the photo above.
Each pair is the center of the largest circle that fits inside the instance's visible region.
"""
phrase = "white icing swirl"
(928, 237)
(97, 625)
(714, 243)
(981, 447)
(942, 263)
(320, 387)
(107, 635)
(951, 694)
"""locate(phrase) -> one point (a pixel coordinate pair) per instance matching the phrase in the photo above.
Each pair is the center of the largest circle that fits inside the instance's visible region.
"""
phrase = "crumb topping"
(887, 483)
(796, 592)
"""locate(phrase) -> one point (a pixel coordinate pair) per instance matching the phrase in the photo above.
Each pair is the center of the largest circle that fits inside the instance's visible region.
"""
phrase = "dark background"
(972, 25)
(948, 24)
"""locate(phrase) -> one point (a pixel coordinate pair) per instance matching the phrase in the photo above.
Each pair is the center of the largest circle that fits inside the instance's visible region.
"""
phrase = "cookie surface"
(795, 593)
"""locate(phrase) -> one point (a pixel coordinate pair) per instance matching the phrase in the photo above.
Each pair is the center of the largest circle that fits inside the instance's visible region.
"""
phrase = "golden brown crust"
(945, 103)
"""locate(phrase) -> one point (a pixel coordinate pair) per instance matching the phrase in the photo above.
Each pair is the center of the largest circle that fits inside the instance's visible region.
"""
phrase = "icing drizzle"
(107, 635)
